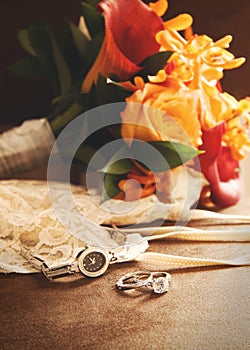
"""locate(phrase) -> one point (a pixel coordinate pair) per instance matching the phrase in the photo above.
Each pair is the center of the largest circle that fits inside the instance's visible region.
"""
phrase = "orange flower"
(199, 59)
(199, 62)
(130, 29)
(183, 102)
(236, 136)
(217, 107)
(137, 185)
(165, 111)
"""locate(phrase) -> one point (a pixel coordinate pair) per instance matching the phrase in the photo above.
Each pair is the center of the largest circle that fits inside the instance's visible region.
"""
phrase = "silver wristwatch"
(90, 262)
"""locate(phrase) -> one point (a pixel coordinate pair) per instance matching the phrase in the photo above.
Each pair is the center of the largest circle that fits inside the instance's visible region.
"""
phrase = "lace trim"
(27, 219)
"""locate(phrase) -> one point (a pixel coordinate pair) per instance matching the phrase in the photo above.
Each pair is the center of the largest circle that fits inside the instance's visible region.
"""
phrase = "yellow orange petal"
(188, 34)
(181, 22)
(237, 62)
(224, 42)
(216, 56)
(139, 82)
(140, 132)
(159, 7)
(170, 40)
(142, 179)
(201, 42)
(183, 72)
(141, 169)
(128, 85)
(212, 74)
(244, 105)
(159, 78)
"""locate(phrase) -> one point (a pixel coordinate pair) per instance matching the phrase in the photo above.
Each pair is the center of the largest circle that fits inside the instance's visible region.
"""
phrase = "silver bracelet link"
(52, 273)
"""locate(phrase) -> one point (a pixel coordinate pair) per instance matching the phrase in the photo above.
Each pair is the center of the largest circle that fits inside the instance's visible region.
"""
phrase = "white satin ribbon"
(167, 260)
(240, 234)
(231, 234)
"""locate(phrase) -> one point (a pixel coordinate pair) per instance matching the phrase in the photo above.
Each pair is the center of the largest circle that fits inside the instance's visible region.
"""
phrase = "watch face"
(93, 262)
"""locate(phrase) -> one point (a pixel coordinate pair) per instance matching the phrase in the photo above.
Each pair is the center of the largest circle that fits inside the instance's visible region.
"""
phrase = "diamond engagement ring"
(156, 281)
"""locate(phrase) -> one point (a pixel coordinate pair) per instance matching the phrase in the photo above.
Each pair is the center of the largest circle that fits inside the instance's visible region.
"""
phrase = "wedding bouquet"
(137, 102)
(167, 80)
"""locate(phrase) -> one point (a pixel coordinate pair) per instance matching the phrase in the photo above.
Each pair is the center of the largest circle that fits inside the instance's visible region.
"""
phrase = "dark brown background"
(21, 99)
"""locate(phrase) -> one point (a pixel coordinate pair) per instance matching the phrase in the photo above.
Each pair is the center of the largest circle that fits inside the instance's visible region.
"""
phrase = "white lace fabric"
(28, 220)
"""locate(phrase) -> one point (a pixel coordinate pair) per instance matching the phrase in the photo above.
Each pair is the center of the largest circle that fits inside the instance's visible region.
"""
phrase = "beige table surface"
(206, 308)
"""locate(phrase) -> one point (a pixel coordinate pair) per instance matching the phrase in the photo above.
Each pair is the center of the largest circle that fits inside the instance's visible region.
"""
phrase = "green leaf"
(152, 64)
(71, 54)
(110, 186)
(64, 99)
(170, 154)
(85, 153)
(175, 153)
(61, 120)
(93, 49)
(110, 92)
(57, 55)
(79, 39)
(120, 162)
(118, 167)
(93, 19)
(28, 67)
(62, 67)
(92, 3)
(62, 103)
(36, 41)
(24, 39)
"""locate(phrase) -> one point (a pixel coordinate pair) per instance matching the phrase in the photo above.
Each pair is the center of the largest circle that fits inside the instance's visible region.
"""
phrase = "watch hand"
(91, 260)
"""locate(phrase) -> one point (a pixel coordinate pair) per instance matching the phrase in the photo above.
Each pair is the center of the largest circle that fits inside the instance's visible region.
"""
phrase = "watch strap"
(53, 272)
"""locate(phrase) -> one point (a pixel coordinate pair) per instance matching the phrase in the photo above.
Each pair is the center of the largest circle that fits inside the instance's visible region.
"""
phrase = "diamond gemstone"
(160, 285)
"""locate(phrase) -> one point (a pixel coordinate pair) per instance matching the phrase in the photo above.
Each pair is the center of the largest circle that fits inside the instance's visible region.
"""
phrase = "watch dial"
(94, 261)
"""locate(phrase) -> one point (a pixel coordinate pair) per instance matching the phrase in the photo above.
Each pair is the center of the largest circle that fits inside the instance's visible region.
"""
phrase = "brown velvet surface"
(205, 308)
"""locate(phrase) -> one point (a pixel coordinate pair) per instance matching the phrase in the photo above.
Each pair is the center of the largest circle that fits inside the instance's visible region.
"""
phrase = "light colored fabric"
(27, 219)
(25, 147)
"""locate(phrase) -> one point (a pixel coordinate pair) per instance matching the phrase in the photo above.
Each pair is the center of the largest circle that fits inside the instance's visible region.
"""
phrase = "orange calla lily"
(128, 41)
(219, 168)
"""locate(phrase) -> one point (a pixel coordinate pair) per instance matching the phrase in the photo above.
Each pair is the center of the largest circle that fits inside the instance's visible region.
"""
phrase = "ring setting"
(158, 282)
